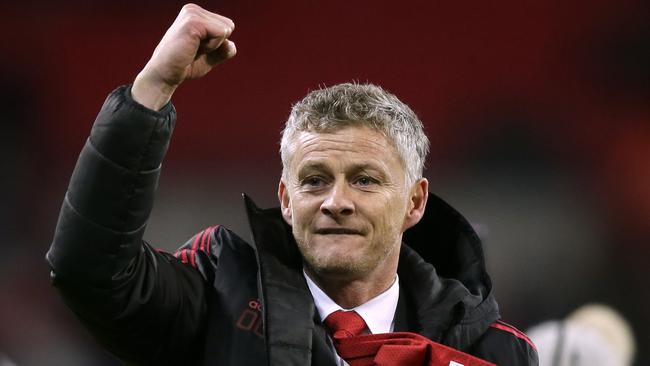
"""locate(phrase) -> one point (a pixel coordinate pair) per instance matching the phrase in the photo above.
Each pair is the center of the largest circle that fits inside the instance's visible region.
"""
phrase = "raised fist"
(192, 46)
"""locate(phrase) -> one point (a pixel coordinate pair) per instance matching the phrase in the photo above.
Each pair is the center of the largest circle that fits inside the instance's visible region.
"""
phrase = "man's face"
(347, 200)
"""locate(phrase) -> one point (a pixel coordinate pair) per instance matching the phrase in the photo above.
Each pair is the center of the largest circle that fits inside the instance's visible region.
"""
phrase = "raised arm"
(143, 305)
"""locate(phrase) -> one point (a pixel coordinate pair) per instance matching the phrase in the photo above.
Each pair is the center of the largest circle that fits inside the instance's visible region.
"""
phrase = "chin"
(344, 271)
(340, 264)
(340, 256)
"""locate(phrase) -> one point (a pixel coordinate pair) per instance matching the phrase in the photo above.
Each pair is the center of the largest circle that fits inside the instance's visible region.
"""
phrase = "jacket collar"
(461, 290)
(446, 240)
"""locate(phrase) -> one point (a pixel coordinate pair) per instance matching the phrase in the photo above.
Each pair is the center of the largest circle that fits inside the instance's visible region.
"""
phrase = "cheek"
(302, 213)
(391, 222)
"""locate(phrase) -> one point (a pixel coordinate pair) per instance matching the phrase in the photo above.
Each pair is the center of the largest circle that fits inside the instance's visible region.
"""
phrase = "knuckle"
(228, 21)
(190, 7)
(192, 21)
(193, 25)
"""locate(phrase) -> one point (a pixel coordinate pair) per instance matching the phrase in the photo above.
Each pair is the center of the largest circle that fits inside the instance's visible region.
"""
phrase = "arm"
(145, 306)
(504, 344)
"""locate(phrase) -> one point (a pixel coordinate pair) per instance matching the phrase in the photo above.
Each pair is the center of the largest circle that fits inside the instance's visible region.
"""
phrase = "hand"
(192, 46)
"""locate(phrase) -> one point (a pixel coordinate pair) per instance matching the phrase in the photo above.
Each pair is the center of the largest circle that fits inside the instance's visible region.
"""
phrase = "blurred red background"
(537, 112)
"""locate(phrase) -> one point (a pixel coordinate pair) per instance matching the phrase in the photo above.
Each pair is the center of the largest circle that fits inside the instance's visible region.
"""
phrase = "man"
(326, 281)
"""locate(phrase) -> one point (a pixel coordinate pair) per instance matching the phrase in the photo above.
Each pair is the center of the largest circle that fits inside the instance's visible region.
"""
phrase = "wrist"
(150, 93)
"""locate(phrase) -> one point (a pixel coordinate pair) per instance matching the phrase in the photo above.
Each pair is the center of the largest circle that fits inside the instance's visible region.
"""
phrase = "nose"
(338, 201)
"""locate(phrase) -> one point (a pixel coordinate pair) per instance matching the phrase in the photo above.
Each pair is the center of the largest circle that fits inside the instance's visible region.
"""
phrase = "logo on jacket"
(250, 319)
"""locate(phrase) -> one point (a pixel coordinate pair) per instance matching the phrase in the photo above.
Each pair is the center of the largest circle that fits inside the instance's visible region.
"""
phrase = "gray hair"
(348, 105)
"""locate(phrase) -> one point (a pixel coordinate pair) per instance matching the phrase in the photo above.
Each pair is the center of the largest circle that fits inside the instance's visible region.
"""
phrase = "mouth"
(338, 231)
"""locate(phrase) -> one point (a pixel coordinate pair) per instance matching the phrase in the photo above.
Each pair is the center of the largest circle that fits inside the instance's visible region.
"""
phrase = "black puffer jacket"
(222, 301)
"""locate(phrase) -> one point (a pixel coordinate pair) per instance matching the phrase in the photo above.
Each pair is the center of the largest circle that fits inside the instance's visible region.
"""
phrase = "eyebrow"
(356, 168)
(312, 166)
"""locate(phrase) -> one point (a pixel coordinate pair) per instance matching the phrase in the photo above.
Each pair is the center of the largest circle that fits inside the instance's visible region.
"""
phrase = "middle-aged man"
(359, 265)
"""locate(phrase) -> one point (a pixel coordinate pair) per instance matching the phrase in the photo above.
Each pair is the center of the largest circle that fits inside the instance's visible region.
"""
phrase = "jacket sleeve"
(143, 305)
(505, 345)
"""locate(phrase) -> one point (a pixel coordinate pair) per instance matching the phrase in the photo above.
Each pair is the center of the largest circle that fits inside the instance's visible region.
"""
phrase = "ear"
(285, 201)
(417, 203)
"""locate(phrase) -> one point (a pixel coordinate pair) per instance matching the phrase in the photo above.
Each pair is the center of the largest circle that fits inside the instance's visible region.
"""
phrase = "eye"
(365, 181)
(313, 181)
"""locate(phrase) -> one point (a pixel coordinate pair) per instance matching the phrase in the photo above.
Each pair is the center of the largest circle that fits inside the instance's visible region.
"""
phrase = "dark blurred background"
(538, 114)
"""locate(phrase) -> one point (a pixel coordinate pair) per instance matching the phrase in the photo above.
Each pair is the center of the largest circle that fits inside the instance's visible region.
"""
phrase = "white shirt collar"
(378, 312)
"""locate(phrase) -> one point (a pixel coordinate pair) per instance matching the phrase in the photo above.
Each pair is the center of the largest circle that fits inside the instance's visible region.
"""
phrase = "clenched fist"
(192, 46)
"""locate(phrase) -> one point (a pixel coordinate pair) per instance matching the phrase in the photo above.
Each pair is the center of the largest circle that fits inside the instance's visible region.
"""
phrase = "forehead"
(358, 144)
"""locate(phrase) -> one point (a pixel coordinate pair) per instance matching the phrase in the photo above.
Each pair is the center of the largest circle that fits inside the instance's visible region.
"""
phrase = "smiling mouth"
(337, 231)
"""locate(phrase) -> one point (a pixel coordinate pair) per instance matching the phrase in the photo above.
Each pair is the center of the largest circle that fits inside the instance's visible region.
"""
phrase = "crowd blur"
(538, 114)
(592, 335)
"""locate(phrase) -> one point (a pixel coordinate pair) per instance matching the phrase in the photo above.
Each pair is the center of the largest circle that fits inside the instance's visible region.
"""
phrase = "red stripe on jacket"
(201, 243)
(501, 325)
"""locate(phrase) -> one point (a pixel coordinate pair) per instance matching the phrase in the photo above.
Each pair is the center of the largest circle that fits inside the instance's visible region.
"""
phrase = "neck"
(350, 292)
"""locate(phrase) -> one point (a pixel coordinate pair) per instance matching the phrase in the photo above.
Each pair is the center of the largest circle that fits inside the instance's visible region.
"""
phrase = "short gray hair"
(347, 105)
